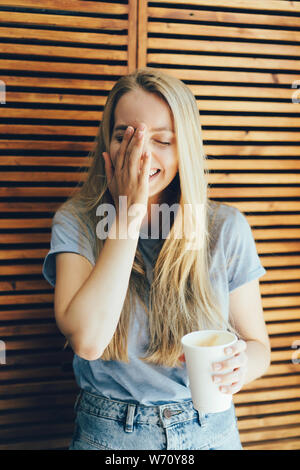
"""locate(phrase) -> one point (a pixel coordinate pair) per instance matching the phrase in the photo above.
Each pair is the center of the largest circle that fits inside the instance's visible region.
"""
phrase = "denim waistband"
(130, 413)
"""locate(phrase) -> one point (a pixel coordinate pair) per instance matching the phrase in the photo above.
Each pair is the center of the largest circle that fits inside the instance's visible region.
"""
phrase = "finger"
(228, 379)
(135, 152)
(144, 175)
(235, 361)
(123, 148)
(231, 389)
(239, 346)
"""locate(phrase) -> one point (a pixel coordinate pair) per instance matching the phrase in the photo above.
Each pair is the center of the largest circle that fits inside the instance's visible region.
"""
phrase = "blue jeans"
(104, 424)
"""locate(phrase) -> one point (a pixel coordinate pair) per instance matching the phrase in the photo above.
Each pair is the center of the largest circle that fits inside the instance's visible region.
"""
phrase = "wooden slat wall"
(240, 59)
(59, 59)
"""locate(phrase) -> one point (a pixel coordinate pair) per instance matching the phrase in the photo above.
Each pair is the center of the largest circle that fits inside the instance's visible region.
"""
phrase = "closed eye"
(120, 138)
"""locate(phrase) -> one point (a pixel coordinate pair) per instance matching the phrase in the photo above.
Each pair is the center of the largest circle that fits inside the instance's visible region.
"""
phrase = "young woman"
(124, 302)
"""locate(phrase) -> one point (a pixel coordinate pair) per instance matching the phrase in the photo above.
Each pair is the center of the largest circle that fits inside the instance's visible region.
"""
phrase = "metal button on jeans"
(167, 413)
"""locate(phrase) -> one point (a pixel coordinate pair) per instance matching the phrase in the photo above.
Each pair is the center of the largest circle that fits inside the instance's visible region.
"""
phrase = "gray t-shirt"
(234, 262)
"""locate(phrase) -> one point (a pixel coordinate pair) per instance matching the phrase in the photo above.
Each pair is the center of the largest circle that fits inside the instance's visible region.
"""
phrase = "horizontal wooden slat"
(240, 77)
(22, 285)
(47, 144)
(49, 443)
(282, 369)
(28, 299)
(210, 61)
(222, 17)
(264, 421)
(19, 314)
(277, 381)
(272, 5)
(274, 432)
(50, 400)
(71, 21)
(251, 150)
(270, 233)
(278, 247)
(26, 416)
(281, 288)
(282, 341)
(284, 164)
(71, 5)
(40, 388)
(39, 177)
(281, 302)
(282, 314)
(273, 220)
(254, 178)
(64, 67)
(235, 192)
(37, 431)
(254, 409)
(15, 330)
(268, 395)
(222, 31)
(280, 444)
(53, 52)
(228, 47)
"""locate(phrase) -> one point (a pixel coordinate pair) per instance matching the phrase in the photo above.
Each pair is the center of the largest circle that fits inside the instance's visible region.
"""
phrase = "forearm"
(258, 360)
(93, 314)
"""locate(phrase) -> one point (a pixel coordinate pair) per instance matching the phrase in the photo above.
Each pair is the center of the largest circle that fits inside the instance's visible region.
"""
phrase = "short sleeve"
(243, 263)
(66, 236)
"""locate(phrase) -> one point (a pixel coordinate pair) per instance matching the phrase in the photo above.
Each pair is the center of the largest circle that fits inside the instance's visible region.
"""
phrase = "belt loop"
(77, 400)
(129, 417)
(202, 419)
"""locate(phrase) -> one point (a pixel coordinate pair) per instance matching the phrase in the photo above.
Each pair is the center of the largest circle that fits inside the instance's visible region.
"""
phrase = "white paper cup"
(201, 350)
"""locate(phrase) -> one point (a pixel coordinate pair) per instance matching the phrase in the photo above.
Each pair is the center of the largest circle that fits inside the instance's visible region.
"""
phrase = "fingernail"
(217, 367)
(228, 351)
(217, 380)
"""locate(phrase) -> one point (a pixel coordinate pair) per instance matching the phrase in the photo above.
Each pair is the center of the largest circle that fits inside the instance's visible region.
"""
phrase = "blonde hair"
(181, 297)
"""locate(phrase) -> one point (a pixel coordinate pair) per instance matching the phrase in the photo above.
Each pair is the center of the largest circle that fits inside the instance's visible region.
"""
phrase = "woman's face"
(143, 107)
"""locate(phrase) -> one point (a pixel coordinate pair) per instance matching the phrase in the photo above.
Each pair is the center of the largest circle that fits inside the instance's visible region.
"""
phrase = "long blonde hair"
(181, 297)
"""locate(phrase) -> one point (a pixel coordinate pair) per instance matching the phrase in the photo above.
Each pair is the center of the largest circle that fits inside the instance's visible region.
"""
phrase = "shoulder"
(71, 219)
(224, 217)
(229, 230)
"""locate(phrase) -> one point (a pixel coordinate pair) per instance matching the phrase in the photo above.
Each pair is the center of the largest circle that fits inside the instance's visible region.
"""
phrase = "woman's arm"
(251, 357)
(92, 315)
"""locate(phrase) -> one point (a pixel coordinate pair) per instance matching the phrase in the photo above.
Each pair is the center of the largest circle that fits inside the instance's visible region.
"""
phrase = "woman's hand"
(130, 176)
(232, 370)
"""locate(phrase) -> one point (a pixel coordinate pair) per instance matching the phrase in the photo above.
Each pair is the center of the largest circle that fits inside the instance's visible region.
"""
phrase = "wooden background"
(58, 61)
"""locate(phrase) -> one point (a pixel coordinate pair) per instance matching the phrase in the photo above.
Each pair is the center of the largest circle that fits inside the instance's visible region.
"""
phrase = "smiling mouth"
(154, 175)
